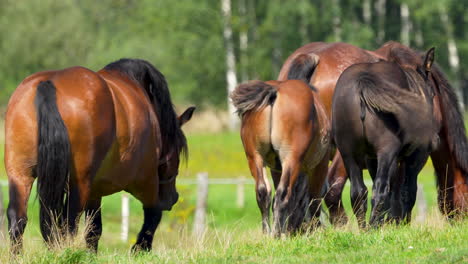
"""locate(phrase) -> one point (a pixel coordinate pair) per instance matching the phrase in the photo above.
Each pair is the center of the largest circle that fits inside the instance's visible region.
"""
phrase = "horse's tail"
(402, 104)
(252, 96)
(452, 119)
(53, 159)
(302, 67)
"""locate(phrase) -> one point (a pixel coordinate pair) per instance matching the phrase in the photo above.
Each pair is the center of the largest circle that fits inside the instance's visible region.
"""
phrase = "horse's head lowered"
(169, 167)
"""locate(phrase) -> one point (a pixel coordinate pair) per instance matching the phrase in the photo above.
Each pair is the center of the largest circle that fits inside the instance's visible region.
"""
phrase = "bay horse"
(284, 126)
(84, 135)
(450, 159)
(383, 120)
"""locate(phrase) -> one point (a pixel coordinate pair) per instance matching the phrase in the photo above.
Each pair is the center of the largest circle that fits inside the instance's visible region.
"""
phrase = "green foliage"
(184, 39)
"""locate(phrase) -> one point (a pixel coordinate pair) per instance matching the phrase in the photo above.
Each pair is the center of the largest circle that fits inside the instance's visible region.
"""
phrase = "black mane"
(155, 85)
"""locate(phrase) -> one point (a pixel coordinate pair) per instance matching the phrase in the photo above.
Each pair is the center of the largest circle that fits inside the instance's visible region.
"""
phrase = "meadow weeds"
(434, 241)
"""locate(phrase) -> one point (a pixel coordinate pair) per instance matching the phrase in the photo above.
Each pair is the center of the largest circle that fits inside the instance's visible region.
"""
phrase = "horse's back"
(334, 58)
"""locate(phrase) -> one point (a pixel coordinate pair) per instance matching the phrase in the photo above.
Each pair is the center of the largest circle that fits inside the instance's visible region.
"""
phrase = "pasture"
(234, 234)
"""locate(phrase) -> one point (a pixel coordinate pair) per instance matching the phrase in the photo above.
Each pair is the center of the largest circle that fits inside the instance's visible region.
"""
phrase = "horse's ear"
(186, 116)
(429, 59)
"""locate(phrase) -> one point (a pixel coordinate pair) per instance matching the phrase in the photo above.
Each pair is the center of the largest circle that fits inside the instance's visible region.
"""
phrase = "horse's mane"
(452, 116)
(404, 56)
(155, 85)
(411, 64)
(453, 120)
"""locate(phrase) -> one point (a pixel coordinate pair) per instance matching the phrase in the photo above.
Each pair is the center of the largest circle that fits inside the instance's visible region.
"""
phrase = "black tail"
(53, 159)
(302, 67)
(253, 95)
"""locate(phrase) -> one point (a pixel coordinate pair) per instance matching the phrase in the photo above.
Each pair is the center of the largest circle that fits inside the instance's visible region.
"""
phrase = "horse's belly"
(121, 170)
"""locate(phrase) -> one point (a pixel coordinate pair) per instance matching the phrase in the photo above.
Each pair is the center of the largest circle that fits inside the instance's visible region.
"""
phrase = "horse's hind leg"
(336, 180)
(152, 217)
(94, 224)
(386, 174)
(316, 183)
(19, 191)
(395, 214)
(283, 196)
(412, 165)
(358, 190)
(262, 188)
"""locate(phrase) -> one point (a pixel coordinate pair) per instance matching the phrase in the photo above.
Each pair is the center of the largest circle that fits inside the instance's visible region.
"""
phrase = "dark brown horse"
(285, 127)
(450, 159)
(84, 135)
(383, 120)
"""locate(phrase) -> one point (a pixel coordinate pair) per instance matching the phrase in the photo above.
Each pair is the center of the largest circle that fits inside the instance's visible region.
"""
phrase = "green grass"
(234, 234)
(432, 242)
(221, 155)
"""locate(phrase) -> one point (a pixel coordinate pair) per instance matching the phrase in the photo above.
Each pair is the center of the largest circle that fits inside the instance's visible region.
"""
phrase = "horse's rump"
(380, 93)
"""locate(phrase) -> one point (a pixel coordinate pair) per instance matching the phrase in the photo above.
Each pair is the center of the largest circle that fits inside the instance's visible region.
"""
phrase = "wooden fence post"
(2, 211)
(241, 192)
(125, 215)
(200, 212)
(421, 204)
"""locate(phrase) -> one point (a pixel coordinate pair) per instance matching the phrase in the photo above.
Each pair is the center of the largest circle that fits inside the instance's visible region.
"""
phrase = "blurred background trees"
(185, 39)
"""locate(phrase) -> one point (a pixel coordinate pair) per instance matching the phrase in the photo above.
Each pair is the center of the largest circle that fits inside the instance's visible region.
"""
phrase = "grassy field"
(234, 234)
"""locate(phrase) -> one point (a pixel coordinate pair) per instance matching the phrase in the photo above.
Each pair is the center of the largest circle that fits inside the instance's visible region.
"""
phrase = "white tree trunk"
(418, 36)
(381, 12)
(230, 61)
(304, 22)
(366, 11)
(244, 41)
(454, 59)
(405, 24)
(336, 21)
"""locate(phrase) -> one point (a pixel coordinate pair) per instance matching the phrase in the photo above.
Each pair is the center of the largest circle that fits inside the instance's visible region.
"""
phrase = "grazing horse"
(383, 120)
(85, 134)
(450, 159)
(285, 127)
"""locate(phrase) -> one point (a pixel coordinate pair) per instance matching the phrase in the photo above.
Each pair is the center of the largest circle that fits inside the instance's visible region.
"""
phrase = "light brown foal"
(285, 127)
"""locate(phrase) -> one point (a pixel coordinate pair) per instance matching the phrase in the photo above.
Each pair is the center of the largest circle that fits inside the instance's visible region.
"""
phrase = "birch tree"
(243, 40)
(405, 24)
(231, 76)
(454, 59)
(380, 9)
(367, 11)
(336, 20)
